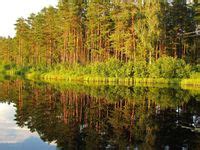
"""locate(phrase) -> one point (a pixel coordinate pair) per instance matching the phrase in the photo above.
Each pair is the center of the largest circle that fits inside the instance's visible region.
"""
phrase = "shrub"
(196, 68)
(128, 69)
(169, 67)
(113, 67)
(182, 70)
(110, 68)
(140, 69)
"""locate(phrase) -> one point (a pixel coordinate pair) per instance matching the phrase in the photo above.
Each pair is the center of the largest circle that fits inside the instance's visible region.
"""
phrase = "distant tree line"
(87, 31)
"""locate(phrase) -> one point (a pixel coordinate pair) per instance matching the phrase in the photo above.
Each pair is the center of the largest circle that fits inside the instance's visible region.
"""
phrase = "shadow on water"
(76, 116)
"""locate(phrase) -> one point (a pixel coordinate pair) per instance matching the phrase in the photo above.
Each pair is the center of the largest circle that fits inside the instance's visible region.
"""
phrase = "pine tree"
(98, 29)
(147, 30)
(22, 38)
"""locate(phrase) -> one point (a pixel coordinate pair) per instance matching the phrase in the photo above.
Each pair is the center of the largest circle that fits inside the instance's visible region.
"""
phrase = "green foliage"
(115, 68)
(94, 31)
(23, 70)
(105, 39)
(9, 66)
(196, 68)
(127, 70)
(140, 69)
(110, 68)
(182, 70)
(169, 67)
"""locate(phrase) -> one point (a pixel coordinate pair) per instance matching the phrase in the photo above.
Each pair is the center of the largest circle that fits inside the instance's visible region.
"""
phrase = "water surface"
(80, 116)
(13, 136)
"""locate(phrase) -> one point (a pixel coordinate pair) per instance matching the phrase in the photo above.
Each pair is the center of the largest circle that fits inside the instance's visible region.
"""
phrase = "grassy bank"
(166, 70)
(98, 79)
(87, 79)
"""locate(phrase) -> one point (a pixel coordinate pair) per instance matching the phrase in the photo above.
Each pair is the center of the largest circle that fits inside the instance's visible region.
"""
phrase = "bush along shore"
(166, 70)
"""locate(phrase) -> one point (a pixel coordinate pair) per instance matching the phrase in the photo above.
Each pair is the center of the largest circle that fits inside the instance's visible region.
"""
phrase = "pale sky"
(11, 10)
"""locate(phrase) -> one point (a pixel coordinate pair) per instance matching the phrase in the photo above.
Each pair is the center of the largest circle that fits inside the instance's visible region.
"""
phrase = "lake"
(37, 115)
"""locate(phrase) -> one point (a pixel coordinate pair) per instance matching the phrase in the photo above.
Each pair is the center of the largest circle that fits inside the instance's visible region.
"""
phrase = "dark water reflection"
(75, 116)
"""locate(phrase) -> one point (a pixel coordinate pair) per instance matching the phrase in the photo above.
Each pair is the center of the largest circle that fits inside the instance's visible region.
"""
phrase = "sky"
(11, 10)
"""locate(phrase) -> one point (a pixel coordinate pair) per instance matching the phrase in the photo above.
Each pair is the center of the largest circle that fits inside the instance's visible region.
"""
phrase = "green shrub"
(128, 69)
(110, 68)
(182, 70)
(169, 67)
(140, 69)
(196, 68)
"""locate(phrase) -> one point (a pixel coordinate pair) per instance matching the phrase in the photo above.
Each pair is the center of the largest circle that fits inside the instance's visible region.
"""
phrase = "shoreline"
(183, 83)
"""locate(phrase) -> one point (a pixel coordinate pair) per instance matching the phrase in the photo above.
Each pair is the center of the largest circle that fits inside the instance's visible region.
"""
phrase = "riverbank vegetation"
(109, 41)
(165, 70)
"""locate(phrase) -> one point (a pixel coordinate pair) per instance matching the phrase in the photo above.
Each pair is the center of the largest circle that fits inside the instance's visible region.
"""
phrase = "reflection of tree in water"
(174, 130)
(143, 117)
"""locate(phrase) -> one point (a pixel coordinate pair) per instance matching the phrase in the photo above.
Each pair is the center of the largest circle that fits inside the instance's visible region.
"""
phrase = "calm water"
(74, 116)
